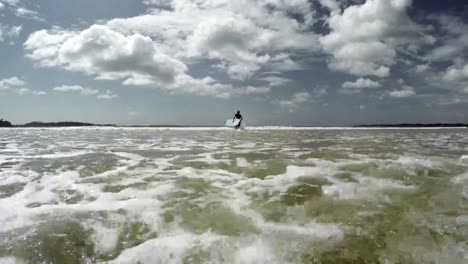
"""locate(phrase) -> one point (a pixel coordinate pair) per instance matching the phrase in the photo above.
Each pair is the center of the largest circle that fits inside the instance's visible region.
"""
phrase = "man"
(238, 116)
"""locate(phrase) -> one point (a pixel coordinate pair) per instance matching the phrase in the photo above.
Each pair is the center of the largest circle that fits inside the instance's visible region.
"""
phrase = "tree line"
(5, 123)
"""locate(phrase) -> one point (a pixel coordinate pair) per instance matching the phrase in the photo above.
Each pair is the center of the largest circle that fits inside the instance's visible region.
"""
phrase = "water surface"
(122, 195)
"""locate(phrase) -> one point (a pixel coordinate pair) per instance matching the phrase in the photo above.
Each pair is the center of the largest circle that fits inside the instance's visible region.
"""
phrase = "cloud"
(107, 95)
(83, 91)
(76, 88)
(11, 2)
(228, 40)
(242, 40)
(363, 40)
(452, 38)
(22, 91)
(15, 31)
(10, 33)
(358, 85)
(295, 102)
(332, 5)
(422, 68)
(105, 53)
(361, 83)
(406, 91)
(456, 73)
(12, 82)
(319, 92)
(16, 85)
(110, 55)
(1, 6)
(275, 80)
(27, 13)
(39, 93)
(300, 98)
(134, 113)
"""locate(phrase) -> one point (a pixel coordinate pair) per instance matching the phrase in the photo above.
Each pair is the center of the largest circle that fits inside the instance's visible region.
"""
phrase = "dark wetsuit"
(238, 116)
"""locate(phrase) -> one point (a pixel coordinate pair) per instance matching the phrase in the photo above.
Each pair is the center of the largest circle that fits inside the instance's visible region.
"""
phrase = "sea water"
(211, 195)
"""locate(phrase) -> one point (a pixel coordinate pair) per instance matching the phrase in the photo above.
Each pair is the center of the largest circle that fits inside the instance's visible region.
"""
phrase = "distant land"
(5, 123)
(416, 125)
(59, 124)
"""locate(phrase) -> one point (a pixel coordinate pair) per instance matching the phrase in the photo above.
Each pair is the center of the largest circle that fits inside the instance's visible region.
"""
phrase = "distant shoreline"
(406, 125)
(83, 124)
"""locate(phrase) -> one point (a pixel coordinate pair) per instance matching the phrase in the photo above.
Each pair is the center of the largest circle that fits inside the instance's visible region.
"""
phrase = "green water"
(219, 196)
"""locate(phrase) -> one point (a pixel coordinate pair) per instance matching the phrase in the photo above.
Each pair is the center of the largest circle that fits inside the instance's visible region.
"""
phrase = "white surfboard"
(232, 122)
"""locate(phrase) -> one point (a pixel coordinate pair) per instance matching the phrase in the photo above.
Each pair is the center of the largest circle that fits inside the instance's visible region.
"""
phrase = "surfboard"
(232, 123)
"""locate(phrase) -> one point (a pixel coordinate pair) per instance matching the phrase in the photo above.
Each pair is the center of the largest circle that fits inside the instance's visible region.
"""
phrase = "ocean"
(213, 195)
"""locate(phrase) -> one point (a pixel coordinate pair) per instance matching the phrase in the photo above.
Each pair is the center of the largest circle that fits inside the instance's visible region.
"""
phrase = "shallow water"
(112, 195)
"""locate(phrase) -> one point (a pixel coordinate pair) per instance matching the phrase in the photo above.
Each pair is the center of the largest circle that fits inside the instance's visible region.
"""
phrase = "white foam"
(11, 260)
(105, 239)
(243, 163)
(367, 188)
(313, 231)
(462, 220)
(53, 156)
(166, 249)
(461, 178)
(463, 159)
(255, 253)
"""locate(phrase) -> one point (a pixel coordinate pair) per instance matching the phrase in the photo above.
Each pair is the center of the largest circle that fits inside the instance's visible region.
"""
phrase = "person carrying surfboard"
(238, 116)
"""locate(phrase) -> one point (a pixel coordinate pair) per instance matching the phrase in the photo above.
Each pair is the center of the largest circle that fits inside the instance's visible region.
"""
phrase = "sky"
(196, 62)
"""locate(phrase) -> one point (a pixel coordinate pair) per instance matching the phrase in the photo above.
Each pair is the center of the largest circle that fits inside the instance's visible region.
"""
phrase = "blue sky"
(281, 62)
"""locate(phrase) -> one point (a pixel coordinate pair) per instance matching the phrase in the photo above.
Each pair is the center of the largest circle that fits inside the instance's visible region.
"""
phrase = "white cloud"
(228, 40)
(111, 55)
(319, 92)
(300, 98)
(27, 13)
(40, 93)
(244, 40)
(107, 95)
(134, 113)
(76, 88)
(333, 5)
(1, 6)
(12, 82)
(456, 73)
(16, 85)
(295, 102)
(361, 83)
(11, 2)
(422, 68)
(22, 91)
(362, 107)
(15, 31)
(358, 85)
(107, 54)
(452, 39)
(275, 80)
(10, 33)
(364, 38)
(406, 91)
